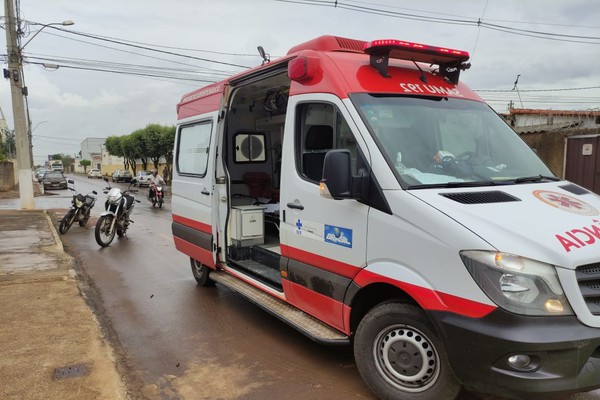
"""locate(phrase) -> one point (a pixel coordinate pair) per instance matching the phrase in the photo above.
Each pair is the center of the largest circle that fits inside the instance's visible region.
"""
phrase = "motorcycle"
(81, 206)
(115, 218)
(156, 195)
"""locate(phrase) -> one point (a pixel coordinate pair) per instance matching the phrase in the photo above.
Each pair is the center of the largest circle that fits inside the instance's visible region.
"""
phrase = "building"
(91, 149)
(567, 141)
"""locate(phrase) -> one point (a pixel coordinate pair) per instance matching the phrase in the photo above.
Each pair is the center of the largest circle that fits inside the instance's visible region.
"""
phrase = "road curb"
(57, 240)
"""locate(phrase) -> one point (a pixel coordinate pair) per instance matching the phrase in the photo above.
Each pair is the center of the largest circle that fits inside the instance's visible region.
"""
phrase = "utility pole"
(25, 177)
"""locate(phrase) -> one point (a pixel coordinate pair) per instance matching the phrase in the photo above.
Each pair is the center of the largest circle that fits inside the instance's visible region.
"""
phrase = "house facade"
(567, 141)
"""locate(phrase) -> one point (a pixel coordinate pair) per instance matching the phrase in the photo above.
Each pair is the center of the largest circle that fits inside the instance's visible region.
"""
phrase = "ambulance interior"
(252, 143)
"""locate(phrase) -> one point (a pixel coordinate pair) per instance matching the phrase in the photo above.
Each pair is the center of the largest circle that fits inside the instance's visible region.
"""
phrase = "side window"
(192, 148)
(249, 147)
(320, 128)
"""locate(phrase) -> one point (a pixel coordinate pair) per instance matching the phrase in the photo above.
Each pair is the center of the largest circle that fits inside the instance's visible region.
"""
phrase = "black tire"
(160, 203)
(120, 233)
(66, 222)
(400, 356)
(201, 273)
(104, 235)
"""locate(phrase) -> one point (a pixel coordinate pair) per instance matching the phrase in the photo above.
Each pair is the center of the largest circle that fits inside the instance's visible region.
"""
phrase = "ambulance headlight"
(517, 284)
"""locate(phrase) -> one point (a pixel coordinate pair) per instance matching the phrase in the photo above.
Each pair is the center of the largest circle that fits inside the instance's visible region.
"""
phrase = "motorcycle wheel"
(103, 232)
(120, 233)
(160, 203)
(66, 222)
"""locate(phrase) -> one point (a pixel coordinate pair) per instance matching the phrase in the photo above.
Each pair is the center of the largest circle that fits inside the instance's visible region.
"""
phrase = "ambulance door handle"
(205, 192)
(295, 206)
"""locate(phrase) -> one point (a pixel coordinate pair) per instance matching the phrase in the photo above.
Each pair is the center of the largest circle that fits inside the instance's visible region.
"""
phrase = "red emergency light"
(302, 68)
(450, 61)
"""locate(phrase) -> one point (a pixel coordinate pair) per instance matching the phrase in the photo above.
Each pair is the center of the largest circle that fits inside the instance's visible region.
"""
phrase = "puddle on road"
(216, 382)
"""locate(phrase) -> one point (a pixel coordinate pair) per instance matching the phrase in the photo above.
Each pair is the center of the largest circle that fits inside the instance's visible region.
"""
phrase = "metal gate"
(582, 164)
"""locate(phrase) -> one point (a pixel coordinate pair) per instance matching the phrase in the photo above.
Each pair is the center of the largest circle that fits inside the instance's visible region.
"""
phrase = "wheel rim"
(199, 271)
(106, 234)
(406, 358)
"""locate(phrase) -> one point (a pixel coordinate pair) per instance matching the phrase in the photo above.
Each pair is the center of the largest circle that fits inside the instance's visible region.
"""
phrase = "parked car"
(95, 173)
(39, 174)
(121, 175)
(142, 178)
(54, 180)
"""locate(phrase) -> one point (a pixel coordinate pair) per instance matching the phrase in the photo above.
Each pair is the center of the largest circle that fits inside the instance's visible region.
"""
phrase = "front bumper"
(565, 353)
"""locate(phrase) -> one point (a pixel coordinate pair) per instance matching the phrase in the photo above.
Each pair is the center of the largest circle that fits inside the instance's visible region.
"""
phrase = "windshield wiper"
(452, 184)
(536, 178)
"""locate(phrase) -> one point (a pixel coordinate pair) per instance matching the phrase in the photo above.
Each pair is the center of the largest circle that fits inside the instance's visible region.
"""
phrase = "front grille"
(588, 279)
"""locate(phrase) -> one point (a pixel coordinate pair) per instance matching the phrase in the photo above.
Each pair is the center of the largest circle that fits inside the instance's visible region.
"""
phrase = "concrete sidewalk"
(51, 345)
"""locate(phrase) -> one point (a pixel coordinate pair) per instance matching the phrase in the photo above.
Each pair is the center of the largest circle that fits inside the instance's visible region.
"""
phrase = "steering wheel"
(466, 155)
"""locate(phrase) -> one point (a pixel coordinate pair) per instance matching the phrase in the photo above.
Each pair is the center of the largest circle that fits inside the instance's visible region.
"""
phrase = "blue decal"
(299, 227)
(339, 236)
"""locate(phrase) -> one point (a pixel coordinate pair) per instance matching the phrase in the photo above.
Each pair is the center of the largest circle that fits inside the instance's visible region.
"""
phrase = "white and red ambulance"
(362, 194)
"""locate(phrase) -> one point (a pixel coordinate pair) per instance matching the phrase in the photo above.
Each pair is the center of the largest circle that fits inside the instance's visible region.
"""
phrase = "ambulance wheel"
(399, 355)
(201, 273)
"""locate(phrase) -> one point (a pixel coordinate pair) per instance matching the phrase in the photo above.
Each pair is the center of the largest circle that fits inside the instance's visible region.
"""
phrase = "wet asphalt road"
(179, 340)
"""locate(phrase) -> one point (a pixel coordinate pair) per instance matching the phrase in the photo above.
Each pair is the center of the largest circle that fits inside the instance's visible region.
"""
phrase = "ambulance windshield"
(447, 142)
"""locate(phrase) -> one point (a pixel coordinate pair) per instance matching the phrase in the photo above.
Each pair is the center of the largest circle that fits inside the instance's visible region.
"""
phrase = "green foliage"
(67, 161)
(149, 143)
(7, 146)
(85, 164)
(113, 146)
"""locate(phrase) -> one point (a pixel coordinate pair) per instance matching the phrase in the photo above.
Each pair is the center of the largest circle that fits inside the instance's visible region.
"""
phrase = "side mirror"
(337, 175)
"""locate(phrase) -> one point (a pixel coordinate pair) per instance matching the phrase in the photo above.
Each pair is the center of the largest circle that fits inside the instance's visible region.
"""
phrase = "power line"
(131, 52)
(538, 90)
(183, 72)
(144, 74)
(180, 48)
(452, 21)
(147, 48)
(489, 19)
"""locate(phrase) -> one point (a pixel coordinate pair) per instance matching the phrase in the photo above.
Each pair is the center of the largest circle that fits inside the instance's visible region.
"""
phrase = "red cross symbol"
(565, 201)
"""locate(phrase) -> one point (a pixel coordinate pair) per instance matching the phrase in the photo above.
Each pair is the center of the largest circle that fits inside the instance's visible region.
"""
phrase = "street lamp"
(15, 73)
(36, 125)
(64, 23)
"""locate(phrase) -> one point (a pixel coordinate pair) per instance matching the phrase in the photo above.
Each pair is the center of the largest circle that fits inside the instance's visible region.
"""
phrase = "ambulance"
(361, 193)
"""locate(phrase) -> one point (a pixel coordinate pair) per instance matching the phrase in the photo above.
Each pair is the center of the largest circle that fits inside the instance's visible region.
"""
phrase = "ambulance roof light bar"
(450, 61)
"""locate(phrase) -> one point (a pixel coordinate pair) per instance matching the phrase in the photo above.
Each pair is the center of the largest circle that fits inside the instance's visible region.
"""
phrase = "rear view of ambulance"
(364, 195)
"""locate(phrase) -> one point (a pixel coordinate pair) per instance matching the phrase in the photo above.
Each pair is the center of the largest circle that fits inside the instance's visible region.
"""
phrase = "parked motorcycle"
(156, 195)
(81, 206)
(115, 218)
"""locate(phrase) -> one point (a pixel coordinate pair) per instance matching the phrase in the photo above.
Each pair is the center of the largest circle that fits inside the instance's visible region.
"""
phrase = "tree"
(130, 151)
(7, 148)
(140, 144)
(114, 146)
(85, 164)
(67, 161)
(153, 137)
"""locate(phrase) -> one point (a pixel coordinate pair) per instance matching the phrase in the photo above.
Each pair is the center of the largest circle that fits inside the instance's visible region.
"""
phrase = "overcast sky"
(68, 105)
